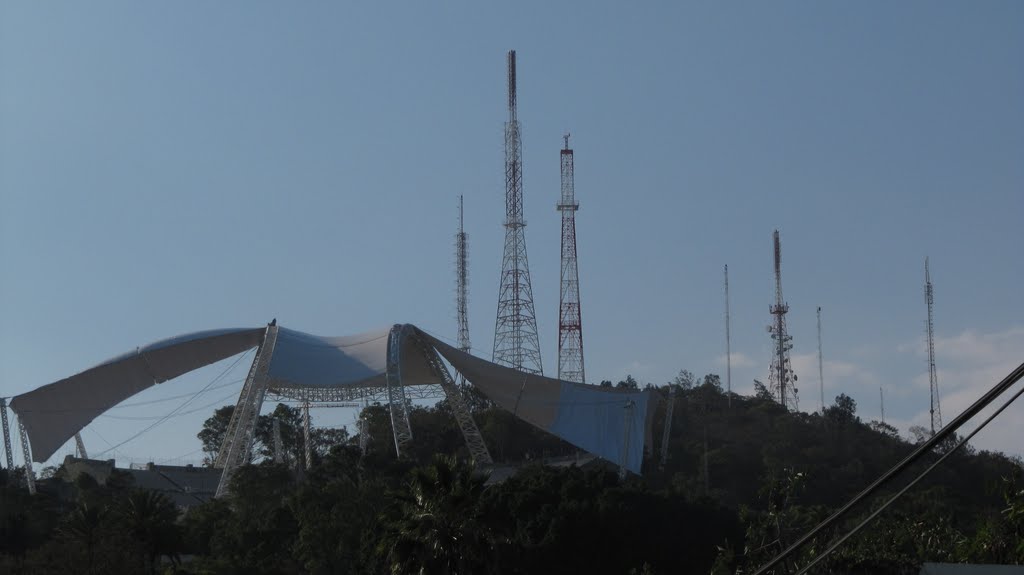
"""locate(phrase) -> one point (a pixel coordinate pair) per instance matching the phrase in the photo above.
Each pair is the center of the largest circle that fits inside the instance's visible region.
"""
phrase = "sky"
(173, 167)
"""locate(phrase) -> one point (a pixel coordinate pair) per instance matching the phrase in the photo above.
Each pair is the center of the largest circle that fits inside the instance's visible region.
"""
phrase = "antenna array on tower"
(570, 322)
(461, 289)
(781, 378)
(515, 328)
(933, 377)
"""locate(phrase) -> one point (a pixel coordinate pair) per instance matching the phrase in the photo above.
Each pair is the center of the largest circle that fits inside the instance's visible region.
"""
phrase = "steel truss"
(237, 447)
(30, 475)
(398, 404)
(7, 433)
(457, 401)
(377, 394)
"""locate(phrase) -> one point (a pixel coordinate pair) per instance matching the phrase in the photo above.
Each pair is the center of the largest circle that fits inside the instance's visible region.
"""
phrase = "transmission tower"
(515, 328)
(570, 323)
(728, 351)
(933, 376)
(781, 378)
(460, 290)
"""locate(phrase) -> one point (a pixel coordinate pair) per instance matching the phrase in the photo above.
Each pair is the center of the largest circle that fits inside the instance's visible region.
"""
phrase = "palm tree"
(438, 530)
(83, 525)
(149, 518)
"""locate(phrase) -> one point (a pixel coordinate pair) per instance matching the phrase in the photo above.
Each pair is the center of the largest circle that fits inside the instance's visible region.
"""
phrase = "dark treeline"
(743, 478)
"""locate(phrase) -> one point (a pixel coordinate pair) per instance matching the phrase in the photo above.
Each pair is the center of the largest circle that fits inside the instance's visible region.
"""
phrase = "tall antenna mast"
(933, 378)
(881, 402)
(728, 352)
(781, 377)
(570, 323)
(460, 289)
(515, 328)
(821, 366)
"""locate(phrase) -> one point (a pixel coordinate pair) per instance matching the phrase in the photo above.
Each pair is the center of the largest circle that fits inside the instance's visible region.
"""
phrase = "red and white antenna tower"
(515, 328)
(570, 324)
(781, 378)
(933, 375)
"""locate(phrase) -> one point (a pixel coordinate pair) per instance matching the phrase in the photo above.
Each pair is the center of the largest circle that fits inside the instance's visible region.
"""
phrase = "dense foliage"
(743, 479)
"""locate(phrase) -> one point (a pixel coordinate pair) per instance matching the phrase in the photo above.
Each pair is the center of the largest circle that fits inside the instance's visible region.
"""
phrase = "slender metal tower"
(821, 366)
(781, 378)
(7, 433)
(881, 402)
(515, 328)
(728, 350)
(460, 285)
(570, 323)
(933, 375)
(461, 300)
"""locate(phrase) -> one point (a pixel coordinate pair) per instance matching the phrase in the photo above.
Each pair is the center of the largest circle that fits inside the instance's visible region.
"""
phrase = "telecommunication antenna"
(570, 322)
(516, 344)
(461, 291)
(881, 402)
(728, 352)
(821, 366)
(781, 377)
(933, 377)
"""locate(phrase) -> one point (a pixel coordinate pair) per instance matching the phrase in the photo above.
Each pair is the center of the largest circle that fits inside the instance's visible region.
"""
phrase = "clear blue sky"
(170, 167)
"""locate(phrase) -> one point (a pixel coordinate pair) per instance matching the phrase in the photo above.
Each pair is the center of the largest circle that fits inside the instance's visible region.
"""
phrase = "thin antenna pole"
(881, 402)
(821, 365)
(461, 288)
(933, 377)
(728, 351)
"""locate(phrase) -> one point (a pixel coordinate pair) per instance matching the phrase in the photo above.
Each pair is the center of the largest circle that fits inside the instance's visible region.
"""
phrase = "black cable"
(176, 409)
(909, 460)
(900, 493)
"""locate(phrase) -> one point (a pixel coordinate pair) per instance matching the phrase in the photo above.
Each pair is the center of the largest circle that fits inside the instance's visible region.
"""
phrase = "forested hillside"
(743, 478)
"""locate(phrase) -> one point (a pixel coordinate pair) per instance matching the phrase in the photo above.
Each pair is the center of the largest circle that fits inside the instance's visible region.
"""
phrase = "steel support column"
(463, 416)
(7, 433)
(237, 447)
(30, 475)
(397, 404)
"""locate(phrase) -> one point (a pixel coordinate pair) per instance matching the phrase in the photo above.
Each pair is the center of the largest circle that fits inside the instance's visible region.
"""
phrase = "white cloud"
(738, 360)
(969, 364)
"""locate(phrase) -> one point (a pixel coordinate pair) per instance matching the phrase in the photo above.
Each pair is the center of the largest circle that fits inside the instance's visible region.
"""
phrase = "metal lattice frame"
(474, 441)
(346, 394)
(629, 407)
(80, 445)
(515, 330)
(30, 474)
(278, 449)
(398, 404)
(7, 433)
(570, 322)
(237, 447)
(666, 430)
(307, 436)
(781, 379)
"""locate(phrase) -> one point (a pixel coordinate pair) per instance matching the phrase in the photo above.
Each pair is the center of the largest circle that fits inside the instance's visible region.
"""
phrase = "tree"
(844, 410)
(438, 528)
(149, 517)
(628, 383)
(684, 380)
(213, 431)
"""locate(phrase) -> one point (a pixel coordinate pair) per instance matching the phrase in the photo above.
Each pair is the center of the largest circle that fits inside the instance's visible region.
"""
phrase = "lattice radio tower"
(515, 329)
(933, 376)
(570, 324)
(460, 290)
(781, 379)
